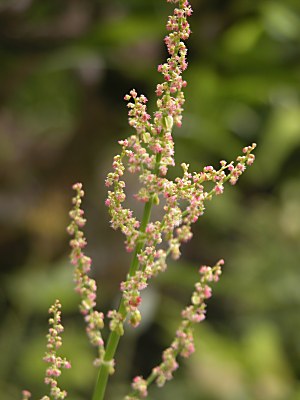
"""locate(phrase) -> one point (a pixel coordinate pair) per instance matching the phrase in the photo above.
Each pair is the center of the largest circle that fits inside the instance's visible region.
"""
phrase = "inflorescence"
(183, 344)
(149, 153)
(84, 285)
(56, 363)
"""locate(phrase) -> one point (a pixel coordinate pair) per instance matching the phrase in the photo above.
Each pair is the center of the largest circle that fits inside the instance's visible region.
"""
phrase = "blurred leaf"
(281, 137)
(242, 37)
(290, 211)
(218, 360)
(44, 108)
(280, 20)
(127, 30)
(223, 360)
(39, 287)
(263, 353)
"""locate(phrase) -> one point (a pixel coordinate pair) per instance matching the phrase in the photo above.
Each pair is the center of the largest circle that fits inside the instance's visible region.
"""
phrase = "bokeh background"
(65, 67)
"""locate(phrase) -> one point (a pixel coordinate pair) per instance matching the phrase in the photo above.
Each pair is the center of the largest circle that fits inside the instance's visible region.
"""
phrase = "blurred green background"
(65, 67)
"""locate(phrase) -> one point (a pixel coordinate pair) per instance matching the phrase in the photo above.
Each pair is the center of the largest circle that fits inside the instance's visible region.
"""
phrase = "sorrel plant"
(148, 153)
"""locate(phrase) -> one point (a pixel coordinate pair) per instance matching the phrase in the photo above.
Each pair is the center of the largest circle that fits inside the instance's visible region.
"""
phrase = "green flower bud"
(135, 318)
(168, 122)
(146, 137)
(155, 199)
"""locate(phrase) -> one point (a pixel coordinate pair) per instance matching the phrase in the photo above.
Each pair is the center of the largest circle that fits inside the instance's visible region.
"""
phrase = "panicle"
(56, 363)
(183, 344)
(150, 152)
(84, 285)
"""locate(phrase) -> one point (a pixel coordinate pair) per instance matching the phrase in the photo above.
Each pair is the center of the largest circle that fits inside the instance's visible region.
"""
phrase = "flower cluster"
(184, 202)
(183, 344)
(26, 395)
(116, 323)
(149, 152)
(139, 385)
(56, 362)
(84, 285)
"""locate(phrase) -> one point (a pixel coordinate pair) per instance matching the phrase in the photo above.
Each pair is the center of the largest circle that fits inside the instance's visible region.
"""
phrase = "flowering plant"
(149, 152)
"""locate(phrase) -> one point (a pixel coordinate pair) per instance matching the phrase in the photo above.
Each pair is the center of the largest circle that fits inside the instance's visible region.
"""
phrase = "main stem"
(114, 337)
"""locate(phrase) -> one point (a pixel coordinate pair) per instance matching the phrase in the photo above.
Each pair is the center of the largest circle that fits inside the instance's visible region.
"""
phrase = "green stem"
(114, 337)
